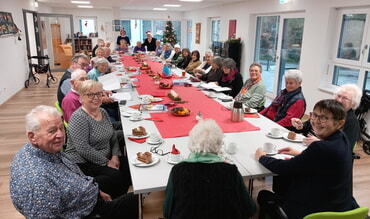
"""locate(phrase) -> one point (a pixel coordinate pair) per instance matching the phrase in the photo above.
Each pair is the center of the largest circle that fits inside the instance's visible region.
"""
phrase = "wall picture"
(7, 25)
(197, 33)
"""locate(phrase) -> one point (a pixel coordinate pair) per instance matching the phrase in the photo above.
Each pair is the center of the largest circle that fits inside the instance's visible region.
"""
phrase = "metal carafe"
(237, 113)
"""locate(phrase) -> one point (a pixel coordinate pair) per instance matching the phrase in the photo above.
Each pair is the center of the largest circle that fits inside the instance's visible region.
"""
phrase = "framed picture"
(117, 28)
(197, 33)
(232, 29)
(7, 25)
(116, 22)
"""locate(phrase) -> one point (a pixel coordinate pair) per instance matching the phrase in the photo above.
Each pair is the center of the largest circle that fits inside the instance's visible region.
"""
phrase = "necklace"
(92, 114)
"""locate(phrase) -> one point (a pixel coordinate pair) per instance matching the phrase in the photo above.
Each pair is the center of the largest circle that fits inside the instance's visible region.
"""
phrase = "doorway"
(278, 48)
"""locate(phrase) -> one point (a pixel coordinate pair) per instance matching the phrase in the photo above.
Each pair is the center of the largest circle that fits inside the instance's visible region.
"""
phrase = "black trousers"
(270, 205)
(124, 206)
(111, 181)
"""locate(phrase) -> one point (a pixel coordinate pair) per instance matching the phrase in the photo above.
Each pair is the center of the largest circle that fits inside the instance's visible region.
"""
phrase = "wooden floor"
(12, 138)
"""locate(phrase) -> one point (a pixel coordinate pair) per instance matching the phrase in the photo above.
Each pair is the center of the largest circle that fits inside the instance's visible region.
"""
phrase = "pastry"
(248, 110)
(291, 135)
(145, 157)
(139, 131)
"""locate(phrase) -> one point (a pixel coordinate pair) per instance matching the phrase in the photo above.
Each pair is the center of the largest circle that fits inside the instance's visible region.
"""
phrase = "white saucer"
(298, 138)
(136, 120)
(137, 163)
(251, 110)
(145, 96)
(152, 142)
(273, 136)
(174, 162)
(155, 99)
(138, 137)
(272, 153)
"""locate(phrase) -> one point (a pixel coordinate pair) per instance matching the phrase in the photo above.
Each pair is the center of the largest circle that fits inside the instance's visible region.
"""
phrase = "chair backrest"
(358, 213)
(60, 110)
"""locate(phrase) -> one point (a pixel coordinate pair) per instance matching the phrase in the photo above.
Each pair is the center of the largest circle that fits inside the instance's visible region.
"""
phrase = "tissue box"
(180, 82)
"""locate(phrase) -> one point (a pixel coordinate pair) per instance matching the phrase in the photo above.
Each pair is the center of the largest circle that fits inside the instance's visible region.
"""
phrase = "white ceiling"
(142, 5)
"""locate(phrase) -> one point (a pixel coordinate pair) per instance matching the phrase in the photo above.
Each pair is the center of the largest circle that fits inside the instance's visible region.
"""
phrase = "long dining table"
(248, 135)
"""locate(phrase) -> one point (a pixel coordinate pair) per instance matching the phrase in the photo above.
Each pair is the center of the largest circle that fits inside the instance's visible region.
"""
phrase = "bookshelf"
(82, 45)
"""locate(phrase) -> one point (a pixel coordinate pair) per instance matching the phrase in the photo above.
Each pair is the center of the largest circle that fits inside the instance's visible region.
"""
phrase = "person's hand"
(289, 151)
(114, 163)
(108, 92)
(309, 139)
(105, 196)
(106, 99)
(198, 75)
(259, 153)
(297, 123)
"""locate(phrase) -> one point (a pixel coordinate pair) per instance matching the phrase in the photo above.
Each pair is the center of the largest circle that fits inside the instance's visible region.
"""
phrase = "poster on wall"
(197, 33)
(7, 25)
(232, 29)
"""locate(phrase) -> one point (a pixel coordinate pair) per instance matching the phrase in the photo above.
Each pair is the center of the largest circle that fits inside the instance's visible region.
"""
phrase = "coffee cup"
(154, 137)
(175, 157)
(275, 132)
(269, 148)
(136, 116)
(232, 148)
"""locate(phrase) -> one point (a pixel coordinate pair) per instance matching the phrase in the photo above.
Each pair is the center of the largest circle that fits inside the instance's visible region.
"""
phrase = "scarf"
(229, 77)
(246, 87)
(206, 66)
(203, 158)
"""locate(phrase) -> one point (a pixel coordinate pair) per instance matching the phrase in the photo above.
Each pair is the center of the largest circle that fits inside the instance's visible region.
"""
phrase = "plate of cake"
(139, 133)
(292, 136)
(144, 159)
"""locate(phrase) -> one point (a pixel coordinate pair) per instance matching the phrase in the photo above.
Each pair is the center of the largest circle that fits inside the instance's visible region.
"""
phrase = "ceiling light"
(160, 9)
(190, 0)
(85, 6)
(80, 2)
(36, 3)
(173, 6)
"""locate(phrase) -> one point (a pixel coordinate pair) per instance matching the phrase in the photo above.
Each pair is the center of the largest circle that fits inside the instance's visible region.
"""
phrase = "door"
(278, 48)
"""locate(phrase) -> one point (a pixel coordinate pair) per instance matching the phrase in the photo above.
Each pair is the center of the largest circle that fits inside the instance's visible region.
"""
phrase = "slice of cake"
(139, 131)
(291, 135)
(145, 157)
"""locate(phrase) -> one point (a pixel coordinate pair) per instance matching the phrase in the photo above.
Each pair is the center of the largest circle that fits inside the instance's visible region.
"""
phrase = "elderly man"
(79, 61)
(44, 183)
(206, 66)
(71, 101)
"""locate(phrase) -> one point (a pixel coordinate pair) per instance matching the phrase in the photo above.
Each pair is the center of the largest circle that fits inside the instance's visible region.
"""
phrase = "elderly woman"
(150, 42)
(320, 177)
(123, 47)
(252, 95)
(167, 52)
(177, 57)
(349, 95)
(139, 47)
(215, 73)
(122, 35)
(92, 143)
(185, 58)
(194, 62)
(231, 77)
(204, 185)
(206, 66)
(100, 68)
(158, 48)
(290, 103)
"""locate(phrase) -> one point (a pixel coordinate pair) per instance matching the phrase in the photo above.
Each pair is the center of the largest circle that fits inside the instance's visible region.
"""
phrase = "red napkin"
(159, 94)
(251, 115)
(155, 119)
(174, 150)
(141, 140)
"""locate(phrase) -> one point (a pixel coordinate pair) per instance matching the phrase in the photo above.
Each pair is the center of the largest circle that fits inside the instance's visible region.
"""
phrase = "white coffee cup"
(175, 157)
(275, 132)
(232, 147)
(136, 116)
(154, 137)
(269, 147)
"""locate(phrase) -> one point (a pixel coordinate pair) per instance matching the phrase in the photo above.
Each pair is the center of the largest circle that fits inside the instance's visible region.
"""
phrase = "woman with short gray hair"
(290, 103)
(231, 77)
(100, 68)
(215, 73)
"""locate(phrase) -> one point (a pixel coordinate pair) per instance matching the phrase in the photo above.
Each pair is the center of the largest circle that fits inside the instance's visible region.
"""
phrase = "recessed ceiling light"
(190, 0)
(173, 6)
(85, 6)
(80, 2)
(160, 9)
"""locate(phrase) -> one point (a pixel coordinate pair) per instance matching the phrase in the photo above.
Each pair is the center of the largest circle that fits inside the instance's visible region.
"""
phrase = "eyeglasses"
(321, 118)
(92, 95)
(343, 98)
(83, 79)
(158, 151)
(83, 65)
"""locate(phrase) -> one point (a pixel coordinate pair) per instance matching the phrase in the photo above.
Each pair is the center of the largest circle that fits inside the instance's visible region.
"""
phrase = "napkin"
(155, 119)
(141, 140)
(251, 115)
(135, 106)
(159, 94)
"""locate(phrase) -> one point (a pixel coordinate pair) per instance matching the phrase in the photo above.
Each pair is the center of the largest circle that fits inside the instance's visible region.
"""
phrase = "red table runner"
(178, 126)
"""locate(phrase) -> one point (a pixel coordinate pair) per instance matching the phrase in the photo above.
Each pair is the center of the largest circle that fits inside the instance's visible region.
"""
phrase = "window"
(215, 29)
(88, 26)
(351, 62)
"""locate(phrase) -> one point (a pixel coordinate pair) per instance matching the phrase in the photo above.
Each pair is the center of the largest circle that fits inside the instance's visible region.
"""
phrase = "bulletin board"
(7, 25)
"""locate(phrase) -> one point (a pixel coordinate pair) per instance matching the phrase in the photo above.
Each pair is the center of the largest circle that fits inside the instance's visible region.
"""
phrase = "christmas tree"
(169, 35)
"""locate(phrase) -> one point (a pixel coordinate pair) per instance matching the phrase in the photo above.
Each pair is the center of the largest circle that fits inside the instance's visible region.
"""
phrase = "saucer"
(138, 137)
(272, 152)
(273, 136)
(153, 142)
(136, 120)
(174, 162)
(137, 163)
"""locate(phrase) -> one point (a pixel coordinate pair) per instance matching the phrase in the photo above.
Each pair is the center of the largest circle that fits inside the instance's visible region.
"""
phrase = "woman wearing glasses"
(349, 95)
(92, 143)
(320, 177)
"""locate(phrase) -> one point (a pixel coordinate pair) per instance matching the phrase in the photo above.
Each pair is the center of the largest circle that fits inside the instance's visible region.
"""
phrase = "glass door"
(278, 48)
